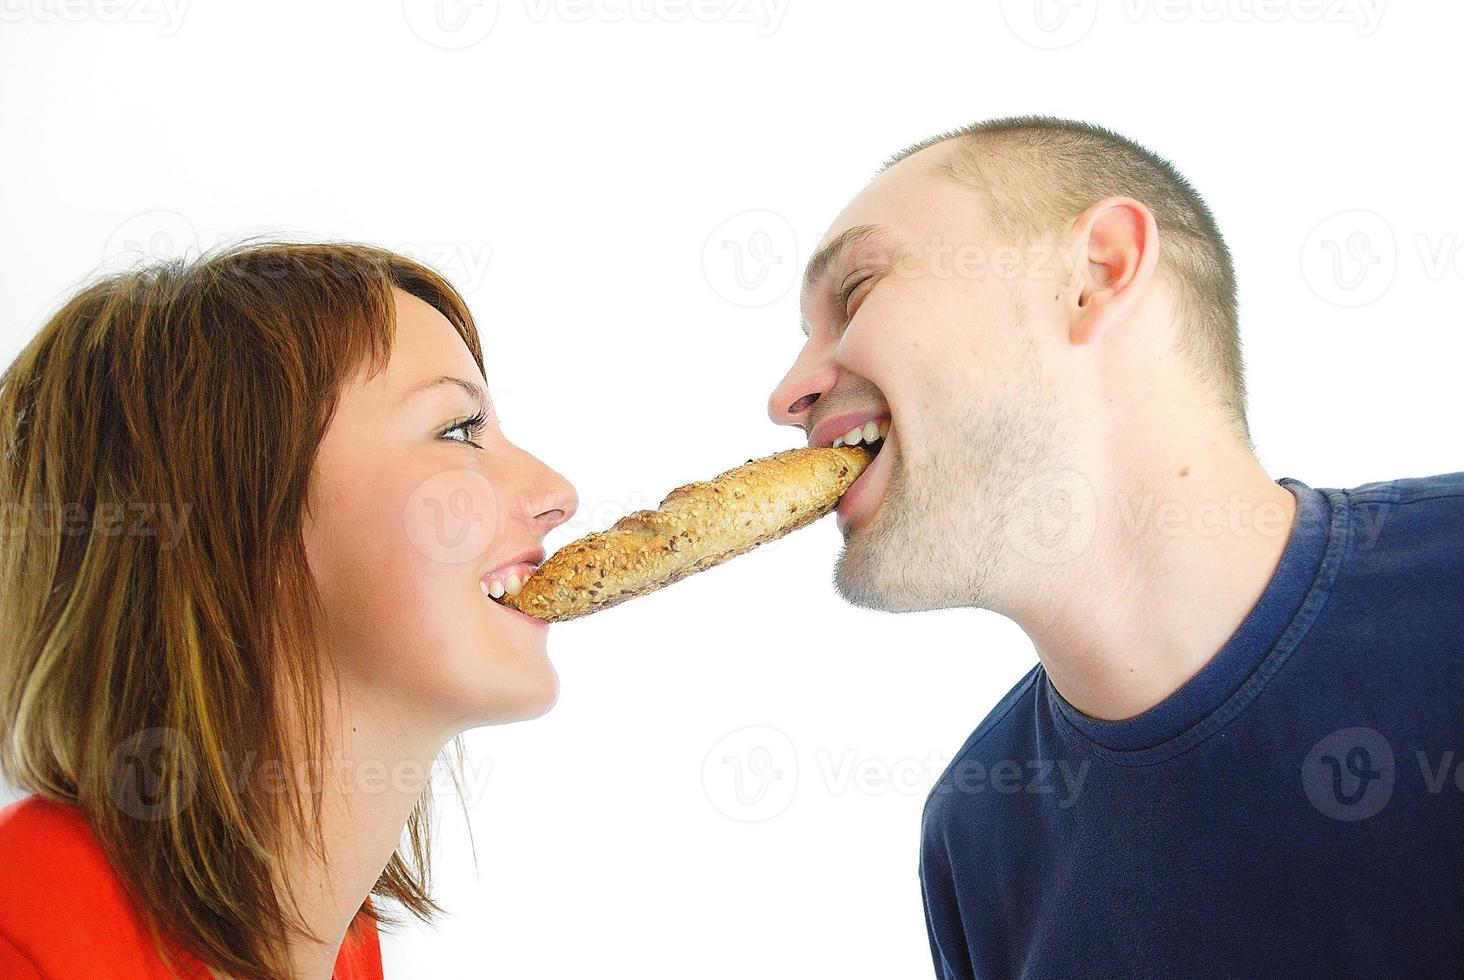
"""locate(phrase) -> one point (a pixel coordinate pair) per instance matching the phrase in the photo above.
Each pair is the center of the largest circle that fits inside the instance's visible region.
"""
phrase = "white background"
(572, 170)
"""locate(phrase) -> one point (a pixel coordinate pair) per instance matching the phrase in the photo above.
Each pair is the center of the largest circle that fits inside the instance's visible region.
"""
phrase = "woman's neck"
(374, 775)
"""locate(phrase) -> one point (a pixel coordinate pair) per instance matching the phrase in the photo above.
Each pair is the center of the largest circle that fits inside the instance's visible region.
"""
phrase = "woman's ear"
(1116, 246)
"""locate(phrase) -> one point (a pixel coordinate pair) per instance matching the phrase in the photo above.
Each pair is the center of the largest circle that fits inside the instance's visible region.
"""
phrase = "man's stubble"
(940, 538)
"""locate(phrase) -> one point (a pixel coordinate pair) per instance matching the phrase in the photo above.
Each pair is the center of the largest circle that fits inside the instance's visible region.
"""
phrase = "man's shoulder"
(1423, 497)
(1440, 486)
(1434, 504)
(996, 749)
(1412, 526)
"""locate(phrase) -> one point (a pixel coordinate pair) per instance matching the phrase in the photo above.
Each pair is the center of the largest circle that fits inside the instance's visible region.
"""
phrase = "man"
(1240, 753)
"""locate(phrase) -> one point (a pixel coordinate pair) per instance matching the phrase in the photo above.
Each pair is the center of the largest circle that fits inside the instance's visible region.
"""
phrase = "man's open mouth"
(870, 435)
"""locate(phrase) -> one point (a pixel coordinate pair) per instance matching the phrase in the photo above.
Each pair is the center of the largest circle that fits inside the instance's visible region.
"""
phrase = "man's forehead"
(889, 207)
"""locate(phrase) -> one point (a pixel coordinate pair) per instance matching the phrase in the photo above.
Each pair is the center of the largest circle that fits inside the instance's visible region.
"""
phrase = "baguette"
(697, 526)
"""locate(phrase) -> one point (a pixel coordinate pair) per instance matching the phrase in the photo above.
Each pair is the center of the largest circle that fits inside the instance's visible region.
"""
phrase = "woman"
(254, 508)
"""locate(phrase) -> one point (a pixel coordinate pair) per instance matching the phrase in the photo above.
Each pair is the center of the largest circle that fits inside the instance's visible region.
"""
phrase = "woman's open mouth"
(507, 581)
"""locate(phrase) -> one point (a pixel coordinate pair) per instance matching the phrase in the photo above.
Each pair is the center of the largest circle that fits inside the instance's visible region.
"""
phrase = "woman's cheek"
(452, 517)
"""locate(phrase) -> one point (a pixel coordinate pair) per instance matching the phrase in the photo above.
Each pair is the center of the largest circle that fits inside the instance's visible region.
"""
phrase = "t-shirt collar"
(1206, 692)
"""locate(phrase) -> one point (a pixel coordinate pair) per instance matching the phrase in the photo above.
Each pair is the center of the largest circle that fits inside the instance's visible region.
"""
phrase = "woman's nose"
(551, 501)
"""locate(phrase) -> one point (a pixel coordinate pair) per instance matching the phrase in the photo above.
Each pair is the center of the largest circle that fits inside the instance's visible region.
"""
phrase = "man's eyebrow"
(474, 391)
(827, 256)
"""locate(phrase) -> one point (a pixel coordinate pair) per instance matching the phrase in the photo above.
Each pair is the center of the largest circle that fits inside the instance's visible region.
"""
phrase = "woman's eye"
(470, 428)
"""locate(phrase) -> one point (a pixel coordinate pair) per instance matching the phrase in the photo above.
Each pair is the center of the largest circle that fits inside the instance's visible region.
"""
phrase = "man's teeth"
(869, 432)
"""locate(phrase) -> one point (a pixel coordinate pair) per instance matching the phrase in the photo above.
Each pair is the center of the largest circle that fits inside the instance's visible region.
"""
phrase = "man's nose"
(807, 382)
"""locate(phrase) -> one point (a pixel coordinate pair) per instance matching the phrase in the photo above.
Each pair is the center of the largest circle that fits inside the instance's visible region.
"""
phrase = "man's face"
(917, 316)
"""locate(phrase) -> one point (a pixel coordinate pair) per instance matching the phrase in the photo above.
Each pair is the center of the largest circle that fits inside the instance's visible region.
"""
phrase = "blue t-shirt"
(1294, 810)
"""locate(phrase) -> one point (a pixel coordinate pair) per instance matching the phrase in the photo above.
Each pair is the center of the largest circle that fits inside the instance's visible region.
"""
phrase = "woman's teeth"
(869, 432)
(497, 586)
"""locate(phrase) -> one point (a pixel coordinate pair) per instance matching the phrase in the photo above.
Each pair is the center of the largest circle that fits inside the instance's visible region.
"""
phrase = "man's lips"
(865, 495)
(835, 426)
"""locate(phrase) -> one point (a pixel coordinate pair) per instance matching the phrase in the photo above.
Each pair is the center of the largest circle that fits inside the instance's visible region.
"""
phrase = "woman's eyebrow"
(474, 391)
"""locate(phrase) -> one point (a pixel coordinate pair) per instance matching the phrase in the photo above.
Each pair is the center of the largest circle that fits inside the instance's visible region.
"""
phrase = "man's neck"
(1184, 544)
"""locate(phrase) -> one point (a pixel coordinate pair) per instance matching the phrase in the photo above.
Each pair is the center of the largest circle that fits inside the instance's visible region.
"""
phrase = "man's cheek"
(868, 347)
(887, 354)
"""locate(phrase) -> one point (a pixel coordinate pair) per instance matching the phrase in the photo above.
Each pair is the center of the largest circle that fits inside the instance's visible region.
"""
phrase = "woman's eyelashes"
(471, 428)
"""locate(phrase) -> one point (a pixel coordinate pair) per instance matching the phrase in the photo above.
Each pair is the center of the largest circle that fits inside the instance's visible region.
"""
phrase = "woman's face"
(409, 519)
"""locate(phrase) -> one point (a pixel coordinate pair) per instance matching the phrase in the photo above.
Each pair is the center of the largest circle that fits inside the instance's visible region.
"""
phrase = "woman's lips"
(865, 495)
(511, 611)
(508, 610)
(508, 579)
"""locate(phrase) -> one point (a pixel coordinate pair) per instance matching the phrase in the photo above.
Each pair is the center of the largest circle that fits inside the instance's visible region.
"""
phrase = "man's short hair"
(1037, 173)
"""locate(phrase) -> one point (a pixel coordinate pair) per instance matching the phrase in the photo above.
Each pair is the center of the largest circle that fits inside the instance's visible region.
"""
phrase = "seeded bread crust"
(697, 526)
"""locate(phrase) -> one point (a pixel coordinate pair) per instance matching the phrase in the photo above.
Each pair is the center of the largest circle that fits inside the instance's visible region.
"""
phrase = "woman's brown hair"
(161, 626)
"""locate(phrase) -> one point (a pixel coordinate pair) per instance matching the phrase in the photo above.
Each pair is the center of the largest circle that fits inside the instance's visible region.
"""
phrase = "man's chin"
(867, 578)
(870, 595)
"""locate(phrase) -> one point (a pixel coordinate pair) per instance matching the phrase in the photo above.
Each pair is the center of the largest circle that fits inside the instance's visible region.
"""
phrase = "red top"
(63, 911)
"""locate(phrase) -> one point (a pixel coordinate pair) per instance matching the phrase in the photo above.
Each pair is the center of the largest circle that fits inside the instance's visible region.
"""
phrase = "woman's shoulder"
(62, 908)
(35, 832)
(51, 864)
(360, 953)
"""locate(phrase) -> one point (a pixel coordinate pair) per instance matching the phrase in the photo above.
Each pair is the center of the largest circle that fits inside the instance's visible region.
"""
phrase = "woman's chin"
(510, 669)
(519, 684)
(539, 695)
(485, 675)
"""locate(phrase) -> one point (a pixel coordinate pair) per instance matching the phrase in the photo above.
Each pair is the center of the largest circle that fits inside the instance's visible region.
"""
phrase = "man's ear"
(1116, 246)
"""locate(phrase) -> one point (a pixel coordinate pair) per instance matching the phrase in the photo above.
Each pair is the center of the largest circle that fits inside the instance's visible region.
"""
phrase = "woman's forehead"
(427, 346)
